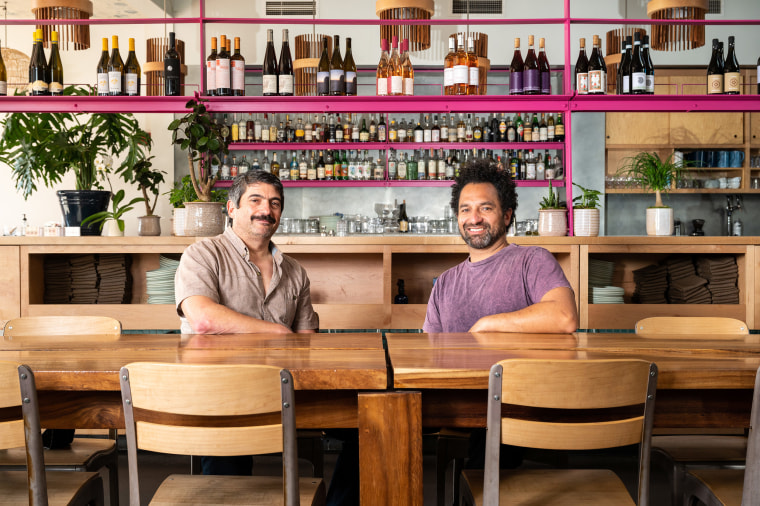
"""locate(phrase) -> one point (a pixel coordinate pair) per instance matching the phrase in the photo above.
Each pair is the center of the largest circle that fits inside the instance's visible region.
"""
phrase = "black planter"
(77, 205)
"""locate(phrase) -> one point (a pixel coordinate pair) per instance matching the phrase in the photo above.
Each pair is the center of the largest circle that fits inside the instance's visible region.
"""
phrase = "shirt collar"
(242, 249)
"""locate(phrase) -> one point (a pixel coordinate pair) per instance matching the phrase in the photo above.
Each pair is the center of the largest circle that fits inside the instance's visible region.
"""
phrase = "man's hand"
(556, 313)
(207, 317)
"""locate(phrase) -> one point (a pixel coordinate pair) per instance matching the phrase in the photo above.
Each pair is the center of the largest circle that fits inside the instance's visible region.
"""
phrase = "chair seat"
(725, 484)
(248, 490)
(81, 454)
(62, 486)
(550, 487)
(701, 448)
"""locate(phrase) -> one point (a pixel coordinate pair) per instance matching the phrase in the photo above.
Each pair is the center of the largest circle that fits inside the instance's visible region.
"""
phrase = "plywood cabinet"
(625, 129)
(754, 128)
(707, 129)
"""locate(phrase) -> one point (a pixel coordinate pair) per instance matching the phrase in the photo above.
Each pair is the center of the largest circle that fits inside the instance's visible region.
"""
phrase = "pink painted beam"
(424, 22)
(93, 104)
(670, 103)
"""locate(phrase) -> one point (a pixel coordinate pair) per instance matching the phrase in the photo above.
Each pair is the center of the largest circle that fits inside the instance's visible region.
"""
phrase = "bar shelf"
(398, 146)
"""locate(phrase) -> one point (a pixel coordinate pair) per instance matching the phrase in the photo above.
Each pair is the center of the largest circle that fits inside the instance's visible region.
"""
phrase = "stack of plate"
(160, 282)
(606, 295)
(600, 272)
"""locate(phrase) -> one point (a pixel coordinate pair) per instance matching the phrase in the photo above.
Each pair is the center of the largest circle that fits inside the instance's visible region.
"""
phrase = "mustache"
(267, 217)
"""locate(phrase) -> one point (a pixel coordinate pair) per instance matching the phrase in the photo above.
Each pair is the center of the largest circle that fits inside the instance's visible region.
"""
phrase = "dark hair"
(481, 170)
(244, 180)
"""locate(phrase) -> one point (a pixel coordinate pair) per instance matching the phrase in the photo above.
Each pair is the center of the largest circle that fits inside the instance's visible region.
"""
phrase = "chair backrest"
(61, 326)
(20, 425)
(569, 405)
(751, 489)
(215, 410)
(691, 325)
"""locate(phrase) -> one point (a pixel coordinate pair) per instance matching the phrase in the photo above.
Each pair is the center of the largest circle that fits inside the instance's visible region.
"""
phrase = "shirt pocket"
(283, 306)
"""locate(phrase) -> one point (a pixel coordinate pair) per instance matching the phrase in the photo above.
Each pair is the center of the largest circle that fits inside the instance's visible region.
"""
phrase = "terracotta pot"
(552, 222)
(204, 219)
(149, 225)
(659, 221)
(586, 222)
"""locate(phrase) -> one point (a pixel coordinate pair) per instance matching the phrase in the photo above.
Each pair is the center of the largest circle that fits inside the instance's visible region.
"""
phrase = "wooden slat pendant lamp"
(78, 35)
(394, 10)
(154, 65)
(308, 51)
(677, 37)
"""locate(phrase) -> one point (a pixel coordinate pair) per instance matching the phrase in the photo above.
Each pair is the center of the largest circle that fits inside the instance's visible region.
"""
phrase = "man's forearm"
(556, 313)
(208, 317)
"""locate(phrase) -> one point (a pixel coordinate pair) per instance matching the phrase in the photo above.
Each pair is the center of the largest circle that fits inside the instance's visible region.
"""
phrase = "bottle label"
(323, 83)
(418, 136)
(435, 136)
(408, 86)
(638, 81)
(329, 170)
(432, 169)
(350, 83)
(286, 84)
(650, 84)
(381, 133)
(40, 86)
(515, 83)
(131, 79)
(474, 76)
(511, 135)
(626, 84)
(102, 83)
(536, 135)
(320, 172)
(731, 82)
(269, 82)
(427, 136)
(581, 83)
(530, 170)
(222, 73)
(3, 88)
(715, 84)
(55, 88)
(211, 75)
(401, 170)
(531, 80)
(238, 75)
(546, 83)
(311, 174)
(559, 130)
(448, 77)
(337, 81)
(461, 74)
(114, 82)
(382, 86)
(543, 134)
(550, 133)
(397, 85)
(595, 81)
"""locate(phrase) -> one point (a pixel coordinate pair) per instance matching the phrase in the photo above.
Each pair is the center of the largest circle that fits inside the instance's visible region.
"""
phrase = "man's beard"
(485, 240)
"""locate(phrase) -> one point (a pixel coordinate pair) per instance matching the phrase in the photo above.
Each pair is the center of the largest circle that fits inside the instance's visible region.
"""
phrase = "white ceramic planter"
(659, 221)
(111, 229)
(586, 222)
(178, 221)
(552, 222)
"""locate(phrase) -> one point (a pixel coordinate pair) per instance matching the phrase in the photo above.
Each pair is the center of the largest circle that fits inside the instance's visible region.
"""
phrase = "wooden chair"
(20, 427)
(677, 453)
(729, 487)
(564, 405)
(84, 453)
(215, 410)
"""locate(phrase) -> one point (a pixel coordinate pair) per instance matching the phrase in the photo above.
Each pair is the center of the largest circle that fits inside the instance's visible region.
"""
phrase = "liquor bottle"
(382, 70)
(427, 130)
(392, 165)
(412, 167)
(250, 129)
(543, 129)
(648, 65)
(448, 67)
(38, 71)
(581, 70)
(323, 71)
(559, 129)
(255, 165)
(349, 69)
(102, 70)
(55, 67)
(378, 170)
(273, 130)
(527, 129)
(468, 130)
(477, 132)
(432, 165)
(308, 131)
(234, 167)
(269, 68)
(321, 167)
(596, 72)
(337, 77)
(419, 133)
(244, 166)
(511, 132)
(516, 71)
(638, 70)
(339, 130)
(285, 75)
(409, 131)
(531, 71)
(277, 170)
(731, 71)
(237, 70)
(519, 129)
(403, 227)
(461, 69)
(295, 172)
(171, 69)
(407, 70)
(474, 70)
(435, 132)
(382, 129)
(619, 75)
(535, 129)
(442, 164)
(344, 166)
(224, 173)
(329, 166)
(461, 129)
(115, 70)
(211, 70)
(395, 72)
(530, 165)
(265, 165)
(223, 82)
(3, 76)
(372, 128)
(401, 168)
(625, 66)
(544, 69)
(550, 129)
(300, 131)
(234, 130)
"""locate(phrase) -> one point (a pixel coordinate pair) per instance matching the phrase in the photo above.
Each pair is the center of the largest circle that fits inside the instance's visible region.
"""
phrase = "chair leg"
(456, 478)
(113, 481)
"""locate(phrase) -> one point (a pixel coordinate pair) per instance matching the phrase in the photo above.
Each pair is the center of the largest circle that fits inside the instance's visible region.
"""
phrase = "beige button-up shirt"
(219, 268)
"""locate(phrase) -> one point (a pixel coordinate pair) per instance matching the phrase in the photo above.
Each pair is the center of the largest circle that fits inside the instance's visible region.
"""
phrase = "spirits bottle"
(115, 69)
(638, 70)
(596, 72)
(648, 65)
(731, 70)
(448, 67)
(395, 73)
(461, 69)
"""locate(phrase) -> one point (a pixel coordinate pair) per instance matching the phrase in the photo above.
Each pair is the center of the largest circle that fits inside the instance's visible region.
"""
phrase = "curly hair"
(481, 170)
(242, 181)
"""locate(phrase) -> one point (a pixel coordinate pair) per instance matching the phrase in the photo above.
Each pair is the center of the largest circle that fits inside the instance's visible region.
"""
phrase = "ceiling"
(21, 9)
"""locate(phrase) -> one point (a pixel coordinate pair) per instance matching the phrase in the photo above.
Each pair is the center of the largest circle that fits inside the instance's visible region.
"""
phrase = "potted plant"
(115, 225)
(182, 192)
(201, 137)
(653, 173)
(586, 212)
(552, 215)
(43, 147)
(148, 181)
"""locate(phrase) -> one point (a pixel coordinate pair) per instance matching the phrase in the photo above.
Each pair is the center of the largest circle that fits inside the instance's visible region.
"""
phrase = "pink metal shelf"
(398, 146)
(668, 103)
(295, 146)
(401, 146)
(387, 183)
(93, 104)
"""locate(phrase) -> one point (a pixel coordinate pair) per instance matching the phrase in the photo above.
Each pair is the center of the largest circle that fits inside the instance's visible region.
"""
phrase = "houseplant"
(41, 148)
(653, 173)
(201, 137)
(183, 192)
(113, 218)
(148, 181)
(586, 212)
(552, 215)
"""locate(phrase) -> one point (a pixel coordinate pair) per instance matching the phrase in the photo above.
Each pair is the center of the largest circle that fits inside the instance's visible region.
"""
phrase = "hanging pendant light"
(78, 35)
(677, 37)
(395, 10)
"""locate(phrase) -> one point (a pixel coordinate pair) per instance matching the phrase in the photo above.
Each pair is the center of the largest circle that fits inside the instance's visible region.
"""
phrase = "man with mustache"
(239, 282)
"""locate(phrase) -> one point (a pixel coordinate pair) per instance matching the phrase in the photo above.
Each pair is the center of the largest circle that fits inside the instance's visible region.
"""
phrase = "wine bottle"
(172, 69)
(474, 70)
(581, 70)
(461, 68)
(544, 69)
(349, 70)
(269, 68)
(55, 67)
(596, 72)
(102, 70)
(531, 72)
(731, 71)
(626, 65)
(38, 72)
(211, 70)
(516, 71)
(395, 74)
(115, 70)
(619, 75)
(638, 71)
(406, 69)
(132, 72)
(3, 76)
(285, 75)
(382, 70)
(323, 71)
(448, 67)
(223, 82)
(714, 72)
(648, 65)
(237, 69)
(337, 76)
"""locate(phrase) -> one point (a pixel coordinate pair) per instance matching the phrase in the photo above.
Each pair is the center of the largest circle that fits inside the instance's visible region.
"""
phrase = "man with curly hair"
(501, 287)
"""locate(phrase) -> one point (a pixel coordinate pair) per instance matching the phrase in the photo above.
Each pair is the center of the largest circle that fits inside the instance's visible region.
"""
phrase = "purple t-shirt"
(509, 280)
